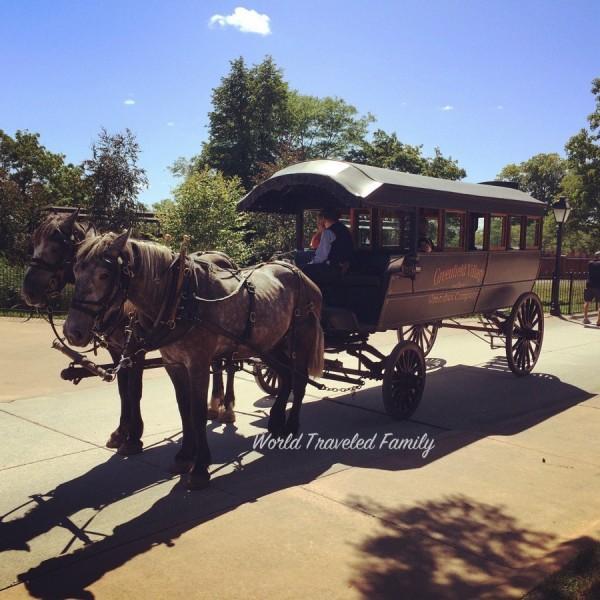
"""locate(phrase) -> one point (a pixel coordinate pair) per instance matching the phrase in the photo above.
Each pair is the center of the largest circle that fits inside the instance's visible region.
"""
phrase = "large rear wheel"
(403, 380)
(524, 334)
(267, 378)
(423, 335)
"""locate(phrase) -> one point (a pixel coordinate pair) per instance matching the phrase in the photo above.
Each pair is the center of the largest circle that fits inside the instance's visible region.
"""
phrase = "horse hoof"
(130, 448)
(115, 440)
(197, 481)
(227, 417)
(212, 413)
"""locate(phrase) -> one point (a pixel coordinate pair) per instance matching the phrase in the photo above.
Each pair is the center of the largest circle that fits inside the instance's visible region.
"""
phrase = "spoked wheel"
(423, 335)
(403, 380)
(524, 334)
(267, 378)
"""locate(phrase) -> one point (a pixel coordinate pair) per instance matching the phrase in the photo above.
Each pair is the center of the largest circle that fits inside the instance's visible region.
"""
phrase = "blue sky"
(514, 77)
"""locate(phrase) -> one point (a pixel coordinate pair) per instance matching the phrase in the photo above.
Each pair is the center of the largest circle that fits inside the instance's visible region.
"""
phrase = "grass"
(578, 580)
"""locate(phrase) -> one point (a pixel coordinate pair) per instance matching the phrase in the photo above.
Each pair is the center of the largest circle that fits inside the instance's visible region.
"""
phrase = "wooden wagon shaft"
(72, 373)
(82, 360)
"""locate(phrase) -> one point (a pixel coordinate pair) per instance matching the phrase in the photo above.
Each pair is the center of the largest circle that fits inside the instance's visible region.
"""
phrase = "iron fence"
(572, 286)
(11, 303)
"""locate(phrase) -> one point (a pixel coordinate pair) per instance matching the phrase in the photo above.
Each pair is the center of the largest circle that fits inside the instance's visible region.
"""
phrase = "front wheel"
(524, 334)
(403, 380)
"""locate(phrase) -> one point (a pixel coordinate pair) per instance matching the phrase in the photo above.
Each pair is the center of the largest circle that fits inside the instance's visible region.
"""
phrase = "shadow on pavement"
(477, 401)
(453, 548)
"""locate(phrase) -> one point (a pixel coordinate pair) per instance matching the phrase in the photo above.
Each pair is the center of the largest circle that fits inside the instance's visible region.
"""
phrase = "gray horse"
(272, 309)
(55, 243)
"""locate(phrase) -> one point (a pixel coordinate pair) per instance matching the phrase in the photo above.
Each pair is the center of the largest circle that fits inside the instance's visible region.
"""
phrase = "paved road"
(509, 492)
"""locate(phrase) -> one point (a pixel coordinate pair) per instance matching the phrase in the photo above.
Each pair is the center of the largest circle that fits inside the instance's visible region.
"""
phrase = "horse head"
(51, 267)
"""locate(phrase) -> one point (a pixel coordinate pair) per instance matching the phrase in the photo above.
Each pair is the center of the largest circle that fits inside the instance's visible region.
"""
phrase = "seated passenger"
(425, 245)
(334, 252)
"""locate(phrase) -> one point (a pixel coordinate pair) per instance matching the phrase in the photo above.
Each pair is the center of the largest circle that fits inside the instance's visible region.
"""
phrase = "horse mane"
(53, 222)
(147, 258)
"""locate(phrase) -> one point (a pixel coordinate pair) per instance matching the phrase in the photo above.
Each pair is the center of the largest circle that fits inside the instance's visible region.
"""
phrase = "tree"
(583, 184)
(324, 127)
(385, 150)
(204, 207)
(541, 176)
(114, 180)
(248, 119)
(31, 178)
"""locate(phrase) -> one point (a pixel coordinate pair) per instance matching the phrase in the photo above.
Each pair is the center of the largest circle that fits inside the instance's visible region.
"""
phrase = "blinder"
(121, 273)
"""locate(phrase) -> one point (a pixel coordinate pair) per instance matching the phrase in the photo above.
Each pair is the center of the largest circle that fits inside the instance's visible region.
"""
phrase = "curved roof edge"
(318, 183)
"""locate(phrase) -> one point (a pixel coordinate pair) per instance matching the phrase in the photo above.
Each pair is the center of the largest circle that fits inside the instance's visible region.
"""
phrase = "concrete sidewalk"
(509, 493)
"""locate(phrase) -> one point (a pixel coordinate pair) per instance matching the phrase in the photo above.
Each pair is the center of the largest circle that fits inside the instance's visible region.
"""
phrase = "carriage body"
(485, 258)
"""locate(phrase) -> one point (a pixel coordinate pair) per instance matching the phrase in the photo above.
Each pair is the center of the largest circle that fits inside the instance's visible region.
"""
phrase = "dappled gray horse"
(271, 310)
(55, 243)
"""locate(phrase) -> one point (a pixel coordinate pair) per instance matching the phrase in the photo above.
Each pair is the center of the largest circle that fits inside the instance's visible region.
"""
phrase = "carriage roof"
(320, 183)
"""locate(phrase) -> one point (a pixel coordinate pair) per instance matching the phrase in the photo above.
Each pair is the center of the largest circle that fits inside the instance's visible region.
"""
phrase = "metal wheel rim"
(267, 379)
(525, 336)
(404, 381)
(424, 335)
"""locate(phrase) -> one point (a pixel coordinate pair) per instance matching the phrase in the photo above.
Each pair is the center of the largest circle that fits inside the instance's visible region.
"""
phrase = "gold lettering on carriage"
(469, 271)
(454, 296)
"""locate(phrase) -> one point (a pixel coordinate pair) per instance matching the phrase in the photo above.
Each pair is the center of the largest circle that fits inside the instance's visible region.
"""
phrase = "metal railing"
(572, 286)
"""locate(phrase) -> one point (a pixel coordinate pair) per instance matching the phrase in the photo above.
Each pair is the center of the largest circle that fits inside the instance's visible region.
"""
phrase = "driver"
(334, 252)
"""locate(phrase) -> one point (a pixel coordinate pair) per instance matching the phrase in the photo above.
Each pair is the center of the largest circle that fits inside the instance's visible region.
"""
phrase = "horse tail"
(316, 360)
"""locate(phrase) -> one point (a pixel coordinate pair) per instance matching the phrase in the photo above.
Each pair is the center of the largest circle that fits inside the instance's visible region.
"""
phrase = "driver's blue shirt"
(324, 248)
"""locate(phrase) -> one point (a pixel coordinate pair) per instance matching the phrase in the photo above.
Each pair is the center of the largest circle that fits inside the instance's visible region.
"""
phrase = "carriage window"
(345, 219)
(454, 227)
(515, 233)
(429, 230)
(532, 234)
(395, 229)
(310, 226)
(477, 232)
(497, 228)
(364, 238)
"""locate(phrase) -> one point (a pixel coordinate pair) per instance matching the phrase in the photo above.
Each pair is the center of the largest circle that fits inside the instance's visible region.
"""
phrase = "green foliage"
(541, 176)
(387, 151)
(583, 187)
(31, 178)
(247, 122)
(114, 180)
(204, 207)
(324, 127)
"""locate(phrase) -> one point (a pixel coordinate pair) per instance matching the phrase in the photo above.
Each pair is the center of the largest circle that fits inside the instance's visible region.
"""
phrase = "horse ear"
(67, 225)
(117, 246)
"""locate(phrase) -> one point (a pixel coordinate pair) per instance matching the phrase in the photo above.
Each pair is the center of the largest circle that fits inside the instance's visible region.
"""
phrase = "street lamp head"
(561, 210)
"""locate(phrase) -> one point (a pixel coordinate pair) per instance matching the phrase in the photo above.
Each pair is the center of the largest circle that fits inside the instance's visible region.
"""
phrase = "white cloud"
(129, 102)
(447, 107)
(170, 123)
(247, 21)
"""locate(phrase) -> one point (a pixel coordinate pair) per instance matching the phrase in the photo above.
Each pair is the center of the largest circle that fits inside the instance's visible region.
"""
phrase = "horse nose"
(74, 335)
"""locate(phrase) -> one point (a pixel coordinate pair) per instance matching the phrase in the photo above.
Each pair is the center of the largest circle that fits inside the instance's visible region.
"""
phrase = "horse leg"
(185, 456)
(292, 424)
(121, 433)
(276, 425)
(133, 444)
(216, 398)
(199, 377)
(227, 415)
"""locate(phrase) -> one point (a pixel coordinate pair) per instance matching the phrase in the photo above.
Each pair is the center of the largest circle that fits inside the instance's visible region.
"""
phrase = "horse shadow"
(462, 404)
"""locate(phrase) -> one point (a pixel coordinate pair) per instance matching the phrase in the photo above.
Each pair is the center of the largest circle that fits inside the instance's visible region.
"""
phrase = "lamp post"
(561, 210)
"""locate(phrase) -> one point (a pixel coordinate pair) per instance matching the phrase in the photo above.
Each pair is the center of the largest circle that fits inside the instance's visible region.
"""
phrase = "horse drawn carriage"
(481, 257)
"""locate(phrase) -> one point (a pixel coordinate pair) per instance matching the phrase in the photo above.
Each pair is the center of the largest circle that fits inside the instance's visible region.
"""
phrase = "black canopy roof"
(319, 183)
